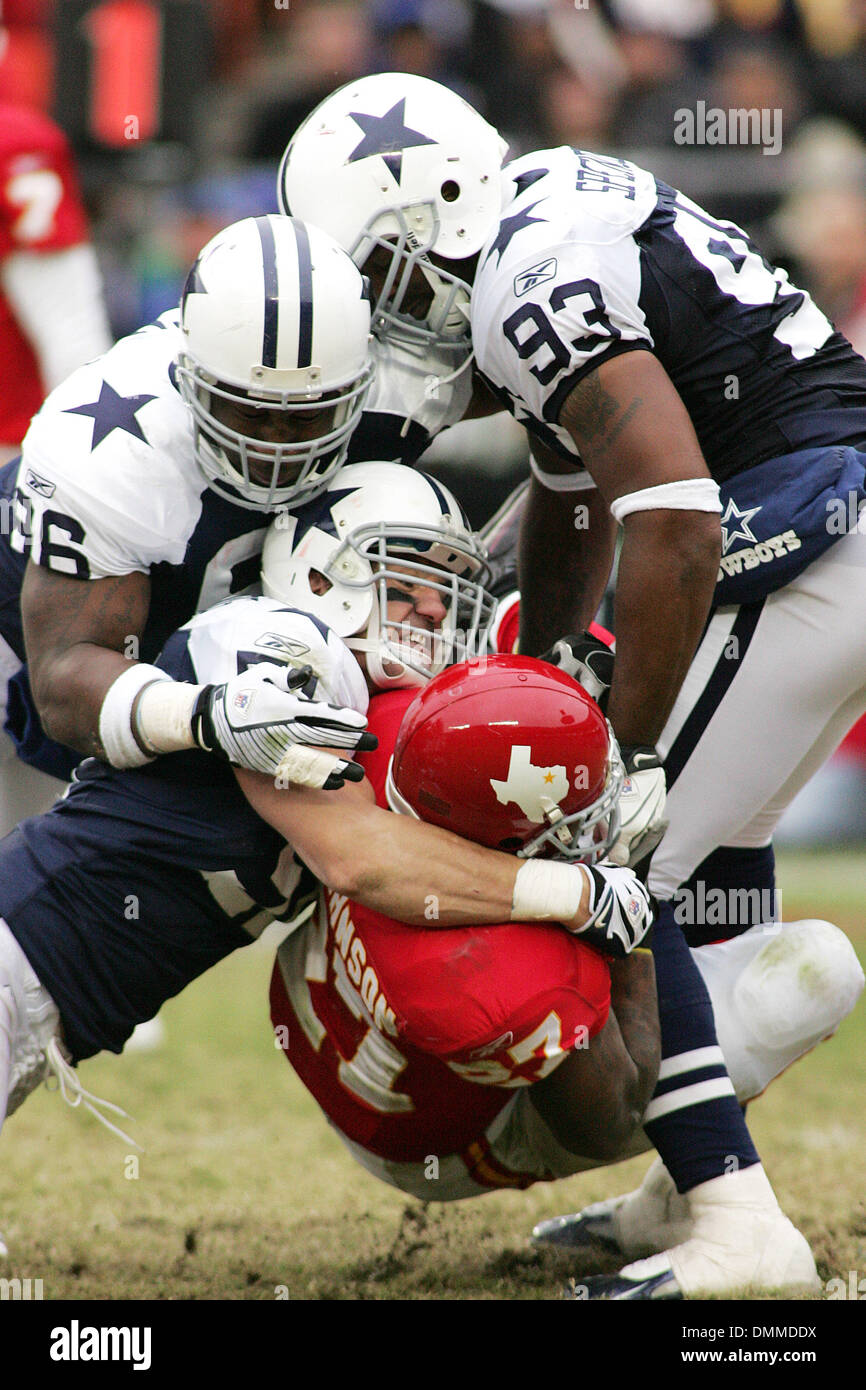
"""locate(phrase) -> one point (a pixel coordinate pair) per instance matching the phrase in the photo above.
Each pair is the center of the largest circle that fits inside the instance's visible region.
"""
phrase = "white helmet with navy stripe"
(398, 163)
(380, 530)
(276, 362)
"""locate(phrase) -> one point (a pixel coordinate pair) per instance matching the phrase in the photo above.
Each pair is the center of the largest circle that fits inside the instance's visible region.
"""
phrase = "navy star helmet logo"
(387, 136)
(508, 227)
(193, 284)
(112, 412)
(741, 530)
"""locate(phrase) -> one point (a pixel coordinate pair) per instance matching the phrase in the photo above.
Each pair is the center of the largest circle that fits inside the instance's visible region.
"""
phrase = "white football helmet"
(378, 530)
(400, 163)
(276, 362)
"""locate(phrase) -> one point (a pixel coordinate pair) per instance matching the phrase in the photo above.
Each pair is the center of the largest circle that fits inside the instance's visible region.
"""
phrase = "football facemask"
(275, 364)
(404, 573)
(395, 166)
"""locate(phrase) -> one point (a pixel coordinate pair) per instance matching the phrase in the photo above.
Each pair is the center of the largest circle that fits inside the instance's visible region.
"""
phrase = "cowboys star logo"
(740, 529)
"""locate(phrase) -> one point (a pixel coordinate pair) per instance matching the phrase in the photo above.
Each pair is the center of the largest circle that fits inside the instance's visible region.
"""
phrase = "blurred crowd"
(178, 111)
(610, 75)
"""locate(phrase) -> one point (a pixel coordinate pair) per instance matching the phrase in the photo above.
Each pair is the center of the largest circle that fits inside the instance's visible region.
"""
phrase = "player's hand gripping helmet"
(378, 530)
(397, 165)
(276, 362)
(512, 753)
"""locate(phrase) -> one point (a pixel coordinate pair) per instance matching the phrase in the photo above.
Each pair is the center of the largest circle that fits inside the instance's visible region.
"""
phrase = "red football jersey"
(412, 1040)
(40, 210)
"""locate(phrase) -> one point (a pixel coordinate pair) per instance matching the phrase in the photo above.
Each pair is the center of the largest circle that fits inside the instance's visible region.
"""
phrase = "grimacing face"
(415, 612)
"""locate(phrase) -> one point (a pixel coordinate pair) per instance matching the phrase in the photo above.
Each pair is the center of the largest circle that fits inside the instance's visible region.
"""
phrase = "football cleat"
(29, 1019)
(31, 1023)
(607, 1287)
(740, 1240)
(652, 1218)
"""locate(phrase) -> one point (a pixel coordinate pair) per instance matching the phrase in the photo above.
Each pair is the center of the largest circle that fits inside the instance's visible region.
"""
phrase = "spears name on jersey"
(594, 257)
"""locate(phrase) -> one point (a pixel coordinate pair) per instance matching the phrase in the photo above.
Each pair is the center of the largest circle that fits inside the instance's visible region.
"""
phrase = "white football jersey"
(246, 631)
(560, 279)
(109, 483)
(594, 257)
(108, 480)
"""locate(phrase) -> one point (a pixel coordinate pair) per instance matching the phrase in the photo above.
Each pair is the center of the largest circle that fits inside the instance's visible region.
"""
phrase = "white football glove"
(621, 907)
(641, 806)
(260, 720)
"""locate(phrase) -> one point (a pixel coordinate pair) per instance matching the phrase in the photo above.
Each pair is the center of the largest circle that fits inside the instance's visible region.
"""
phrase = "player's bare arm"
(430, 877)
(427, 876)
(390, 863)
(633, 432)
(564, 596)
(77, 632)
(594, 1100)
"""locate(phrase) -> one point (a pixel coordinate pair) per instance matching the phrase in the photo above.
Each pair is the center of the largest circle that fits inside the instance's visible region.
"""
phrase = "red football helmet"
(512, 753)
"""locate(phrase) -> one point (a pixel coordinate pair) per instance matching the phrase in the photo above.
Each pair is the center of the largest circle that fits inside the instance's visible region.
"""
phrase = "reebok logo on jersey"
(536, 275)
(276, 642)
(536, 790)
(39, 484)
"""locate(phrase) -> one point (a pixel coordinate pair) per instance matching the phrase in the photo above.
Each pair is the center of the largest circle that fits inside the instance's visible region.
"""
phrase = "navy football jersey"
(593, 257)
(138, 881)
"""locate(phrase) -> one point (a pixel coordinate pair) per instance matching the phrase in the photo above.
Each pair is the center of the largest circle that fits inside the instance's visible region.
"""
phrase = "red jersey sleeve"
(40, 202)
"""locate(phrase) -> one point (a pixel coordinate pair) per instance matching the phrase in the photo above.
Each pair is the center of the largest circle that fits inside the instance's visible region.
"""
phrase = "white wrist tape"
(115, 716)
(163, 719)
(562, 482)
(686, 495)
(307, 767)
(545, 891)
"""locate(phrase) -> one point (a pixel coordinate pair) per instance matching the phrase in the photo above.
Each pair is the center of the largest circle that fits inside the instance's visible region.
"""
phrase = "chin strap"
(441, 381)
(377, 653)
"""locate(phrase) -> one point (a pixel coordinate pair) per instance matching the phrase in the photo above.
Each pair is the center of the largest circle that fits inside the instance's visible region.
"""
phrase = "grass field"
(242, 1191)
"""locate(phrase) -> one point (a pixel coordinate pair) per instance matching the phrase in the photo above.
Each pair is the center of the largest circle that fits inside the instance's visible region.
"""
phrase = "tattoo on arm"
(600, 417)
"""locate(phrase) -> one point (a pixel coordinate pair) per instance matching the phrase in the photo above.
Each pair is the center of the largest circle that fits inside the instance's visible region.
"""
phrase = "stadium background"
(178, 112)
